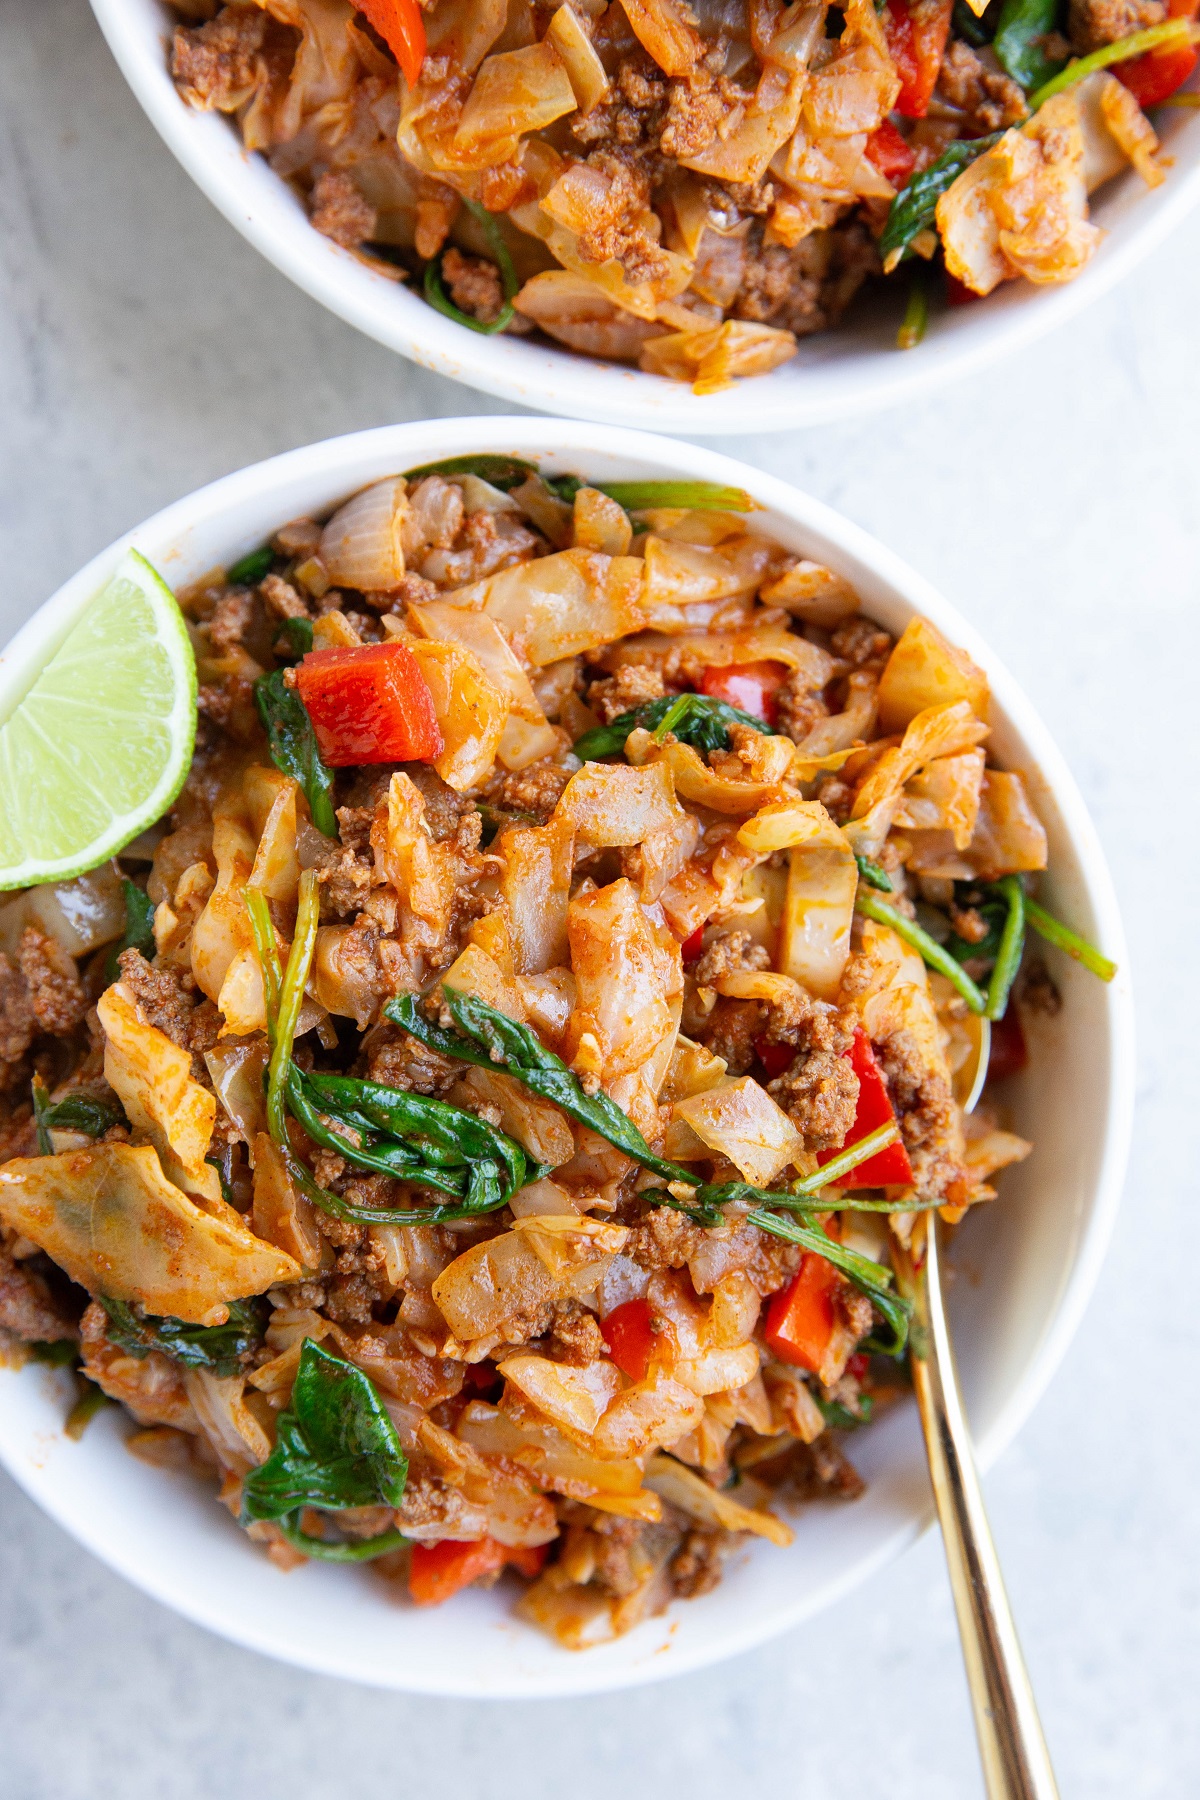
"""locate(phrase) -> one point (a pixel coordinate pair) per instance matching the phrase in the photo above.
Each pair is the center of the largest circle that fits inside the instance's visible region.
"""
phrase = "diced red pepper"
(890, 1166)
(751, 686)
(958, 293)
(439, 1571)
(858, 1364)
(629, 1333)
(800, 1317)
(481, 1378)
(369, 704)
(775, 1058)
(402, 28)
(1008, 1053)
(891, 153)
(916, 37)
(692, 948)
(1154, 77)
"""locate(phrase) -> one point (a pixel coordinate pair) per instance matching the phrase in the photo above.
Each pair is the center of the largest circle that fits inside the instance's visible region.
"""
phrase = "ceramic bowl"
(1033, 1255)
(836, 375)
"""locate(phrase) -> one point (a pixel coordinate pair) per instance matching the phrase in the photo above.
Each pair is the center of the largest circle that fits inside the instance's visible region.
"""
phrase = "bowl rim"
(554, 380)
(344, 463)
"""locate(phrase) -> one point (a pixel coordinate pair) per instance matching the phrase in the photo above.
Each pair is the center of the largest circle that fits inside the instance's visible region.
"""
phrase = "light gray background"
(145, 349)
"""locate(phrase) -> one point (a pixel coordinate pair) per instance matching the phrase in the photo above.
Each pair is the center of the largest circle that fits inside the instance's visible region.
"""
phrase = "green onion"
(874, 875)
(438, 298)
(1155, 37)
(89, 1403)
(1055, 932)
(931, 952)
(915, 206)
(916, 316)
(251, 568)
(268, 955)
(849, 1159)
(502, 472)
(1012, 944)
(693, 496)
(291, 999)
(41, 1105)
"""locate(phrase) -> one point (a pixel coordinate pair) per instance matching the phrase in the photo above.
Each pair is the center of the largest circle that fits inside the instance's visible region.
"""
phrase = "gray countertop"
(145, 349)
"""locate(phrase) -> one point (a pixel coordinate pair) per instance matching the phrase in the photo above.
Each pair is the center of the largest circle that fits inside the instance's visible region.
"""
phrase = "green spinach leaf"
(701, 721)
(139, 927)
(293, 745)
(913, 209)
(1019, 41)
(251, 568)
(218, 1348)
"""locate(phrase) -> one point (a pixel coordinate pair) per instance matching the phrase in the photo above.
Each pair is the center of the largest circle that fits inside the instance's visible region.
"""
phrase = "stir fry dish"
(692, 188)
(474, 1128)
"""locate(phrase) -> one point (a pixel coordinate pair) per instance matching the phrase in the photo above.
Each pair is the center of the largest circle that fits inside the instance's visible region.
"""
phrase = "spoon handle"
(1016, 1762)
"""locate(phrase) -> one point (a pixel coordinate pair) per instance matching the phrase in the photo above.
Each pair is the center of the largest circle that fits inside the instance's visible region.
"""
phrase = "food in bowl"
(693, 190)
(565, 973)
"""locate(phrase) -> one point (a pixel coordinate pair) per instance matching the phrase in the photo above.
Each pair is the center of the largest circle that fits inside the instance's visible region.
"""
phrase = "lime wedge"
(102, 741)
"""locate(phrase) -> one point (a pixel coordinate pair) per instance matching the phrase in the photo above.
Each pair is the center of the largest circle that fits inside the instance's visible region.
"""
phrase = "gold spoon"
(1016, 1762)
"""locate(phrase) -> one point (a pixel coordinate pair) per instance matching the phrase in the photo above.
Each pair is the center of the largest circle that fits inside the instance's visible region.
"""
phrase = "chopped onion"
(362, 543)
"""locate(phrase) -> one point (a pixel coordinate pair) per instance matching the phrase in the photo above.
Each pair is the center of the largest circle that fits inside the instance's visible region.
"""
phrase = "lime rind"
(102, 741)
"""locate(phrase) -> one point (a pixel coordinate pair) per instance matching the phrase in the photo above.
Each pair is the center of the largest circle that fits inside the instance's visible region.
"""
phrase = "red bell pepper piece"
(775, 1058)
(916, 32)
(891, 153)
(1008, 1054)
(402, 28)
(369, 704)
(439, 1571)
(1155, 76)
(629, 1333)
(692, 948)
(750, 686)
(800, 1317)
(888, 1167)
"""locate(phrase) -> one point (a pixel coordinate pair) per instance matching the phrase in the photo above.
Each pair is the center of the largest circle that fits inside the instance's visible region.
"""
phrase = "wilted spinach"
(293, 746)
(700, 720)
(217, 1348)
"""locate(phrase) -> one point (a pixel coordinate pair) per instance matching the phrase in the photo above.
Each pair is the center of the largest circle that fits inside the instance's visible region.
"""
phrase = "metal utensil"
(1016, 1762)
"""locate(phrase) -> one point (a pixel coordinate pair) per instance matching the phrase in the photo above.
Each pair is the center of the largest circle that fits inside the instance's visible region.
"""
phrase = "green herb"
(78, 1112)
(251, 568)
(411, 1138)
(1055, 932)
(222, 1162)
(60, 1353)
(994, 912)
(293, 746)
(492, 1040)
(1020, 34)
(840, 1417)
(1155, 37)
(139, 927)
(89, 1403)
(41, 1095)
(267, 952)
(219, 1348)
(932, 953)
(291, 999)
(874, 875)
(1009, 951)
(496, 819)
(437, 296)
(973, 31)
(692, 496)
(913, 209)
(503, 472)
(565, 487)
(916, 316)
(336, 1448)
(696, 719)
(299, 633)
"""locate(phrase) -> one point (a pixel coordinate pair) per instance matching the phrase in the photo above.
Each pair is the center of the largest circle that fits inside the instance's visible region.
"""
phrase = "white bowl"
(1037, 1249)
(835, 376)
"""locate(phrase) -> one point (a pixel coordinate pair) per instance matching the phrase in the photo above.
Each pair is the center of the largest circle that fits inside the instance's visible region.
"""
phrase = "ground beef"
(346, 877)
(1037, 989)
(631, 687)
(474, 285)
(729, 954)
(340, 212)
(230, 618)
(16, 1022)
(988, 99)
(217, 66)
(536, 789)
(487, 543)
(819, 1092)
(663, 1240)
(697, 104)
(56, 997)
(282, 599)
(731, 1031)
(927, 1117)
(695, 1568)
(799, 706)
(27, 1306)
(806, 288)
(399, 1060)
(861, 643)
(575, 1334)
(1094, 23)
(622, 1562)
(450, 817)
(635, 115)
(430, 1511)
(172, 1003)
(970, 925)
(820, 1471)
(621, 227)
